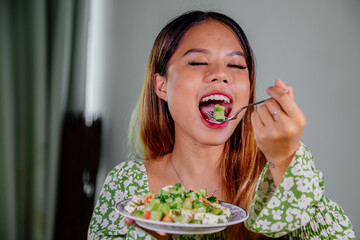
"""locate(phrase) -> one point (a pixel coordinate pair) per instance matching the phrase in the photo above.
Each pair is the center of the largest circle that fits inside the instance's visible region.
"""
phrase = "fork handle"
(253, 104)
(250, 105)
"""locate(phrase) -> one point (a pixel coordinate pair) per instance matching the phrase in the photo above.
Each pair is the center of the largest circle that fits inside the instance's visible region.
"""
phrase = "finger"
(265, 115)
(258, 125)
(129, 221)
(275, 109)
(285, 100)
(285, 87)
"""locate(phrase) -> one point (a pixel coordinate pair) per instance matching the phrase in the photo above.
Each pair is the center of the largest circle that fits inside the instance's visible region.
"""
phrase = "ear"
(160, 86)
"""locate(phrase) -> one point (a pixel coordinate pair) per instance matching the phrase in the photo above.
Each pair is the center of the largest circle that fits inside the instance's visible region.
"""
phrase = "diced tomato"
(147, 214)
(168, 218)
(147, 198)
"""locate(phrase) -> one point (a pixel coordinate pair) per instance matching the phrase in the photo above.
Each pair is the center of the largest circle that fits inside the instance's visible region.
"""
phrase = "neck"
(198, 166)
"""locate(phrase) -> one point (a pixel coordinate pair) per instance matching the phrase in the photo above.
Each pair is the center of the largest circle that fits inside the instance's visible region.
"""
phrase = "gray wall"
(312, 45)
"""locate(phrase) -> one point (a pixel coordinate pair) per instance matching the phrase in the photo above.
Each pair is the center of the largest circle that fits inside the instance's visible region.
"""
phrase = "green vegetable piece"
(153, 204)
(169, 200)
(202, 193)
(156, 215)
(176, 204)
(198, 204)
(163, 195)
(182, 219)
(177, 190)
(195, 221)
(187, 205)
(164, 208)
(219, 116)
(156, 207)
(219, 108)
(219, 113)
(193, 195)
(213, 199)
(201, 209)
(138, 213)
(216, 211)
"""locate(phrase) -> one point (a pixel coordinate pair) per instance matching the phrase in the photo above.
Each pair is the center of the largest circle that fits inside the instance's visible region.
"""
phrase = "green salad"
(174, 204)
(219, 113)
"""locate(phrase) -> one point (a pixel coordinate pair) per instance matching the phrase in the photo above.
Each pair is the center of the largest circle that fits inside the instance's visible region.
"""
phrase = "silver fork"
(233, 117)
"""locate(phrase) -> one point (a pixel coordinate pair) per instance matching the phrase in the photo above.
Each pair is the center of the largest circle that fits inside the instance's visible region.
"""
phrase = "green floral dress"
(297, 209)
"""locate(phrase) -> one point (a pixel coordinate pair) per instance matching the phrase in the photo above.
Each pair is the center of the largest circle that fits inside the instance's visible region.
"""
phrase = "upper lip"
(217, 92)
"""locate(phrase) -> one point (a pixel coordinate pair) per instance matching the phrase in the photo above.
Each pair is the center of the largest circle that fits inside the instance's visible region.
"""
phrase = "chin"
(214, 140)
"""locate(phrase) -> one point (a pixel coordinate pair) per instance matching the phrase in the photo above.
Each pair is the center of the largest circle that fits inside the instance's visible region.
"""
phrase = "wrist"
(278, 168)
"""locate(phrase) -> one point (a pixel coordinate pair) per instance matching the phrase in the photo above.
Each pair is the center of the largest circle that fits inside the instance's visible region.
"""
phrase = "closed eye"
(237, 66)
(197, 63)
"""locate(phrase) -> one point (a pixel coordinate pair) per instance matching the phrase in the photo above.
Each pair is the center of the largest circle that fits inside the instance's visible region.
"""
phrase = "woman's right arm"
(122, 182)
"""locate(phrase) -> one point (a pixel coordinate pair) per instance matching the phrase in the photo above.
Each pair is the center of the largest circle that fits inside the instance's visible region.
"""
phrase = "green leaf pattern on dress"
(297, 209)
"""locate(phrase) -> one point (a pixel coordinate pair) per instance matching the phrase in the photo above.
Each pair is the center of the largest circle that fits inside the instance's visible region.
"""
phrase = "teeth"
(217, 98)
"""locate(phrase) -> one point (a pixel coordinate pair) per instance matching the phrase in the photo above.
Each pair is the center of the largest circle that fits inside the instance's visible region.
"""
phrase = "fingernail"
(287, 90)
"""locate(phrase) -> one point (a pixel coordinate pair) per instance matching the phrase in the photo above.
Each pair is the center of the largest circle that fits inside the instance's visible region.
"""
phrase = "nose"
(219, 73)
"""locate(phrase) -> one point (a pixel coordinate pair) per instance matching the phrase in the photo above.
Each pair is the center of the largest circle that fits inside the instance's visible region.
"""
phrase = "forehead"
(210, 33)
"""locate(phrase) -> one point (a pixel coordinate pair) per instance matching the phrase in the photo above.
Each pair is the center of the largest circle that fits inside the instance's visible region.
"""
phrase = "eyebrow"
(200, 50)
(196, 50)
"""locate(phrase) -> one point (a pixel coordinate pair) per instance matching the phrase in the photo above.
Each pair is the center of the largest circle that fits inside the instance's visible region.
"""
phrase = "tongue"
(209, 107)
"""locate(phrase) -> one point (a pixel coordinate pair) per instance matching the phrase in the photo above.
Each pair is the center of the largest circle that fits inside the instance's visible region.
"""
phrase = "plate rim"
(185, 225)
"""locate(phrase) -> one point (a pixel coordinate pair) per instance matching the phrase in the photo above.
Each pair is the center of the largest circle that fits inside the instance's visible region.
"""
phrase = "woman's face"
(207, 68)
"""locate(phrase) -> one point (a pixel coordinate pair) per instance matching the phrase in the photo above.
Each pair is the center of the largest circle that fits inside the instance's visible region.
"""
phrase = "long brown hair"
(152, 127)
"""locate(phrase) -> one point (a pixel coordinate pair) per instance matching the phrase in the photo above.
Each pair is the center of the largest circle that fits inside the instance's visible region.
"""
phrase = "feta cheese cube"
(226, 211)
(138, 199)
(130, 207)
(210, 219)
(187, 213)
(167, 188)
(199, 216)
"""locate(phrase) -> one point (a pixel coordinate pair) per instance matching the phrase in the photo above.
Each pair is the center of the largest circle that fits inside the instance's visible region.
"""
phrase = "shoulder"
(129, 177)
(127, 169)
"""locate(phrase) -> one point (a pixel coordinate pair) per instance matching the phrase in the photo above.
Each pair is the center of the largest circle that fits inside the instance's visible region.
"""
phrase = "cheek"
(243, 88)
(180, 88)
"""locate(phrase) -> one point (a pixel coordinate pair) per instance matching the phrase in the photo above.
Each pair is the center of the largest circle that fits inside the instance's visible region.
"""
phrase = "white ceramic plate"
(238, 215)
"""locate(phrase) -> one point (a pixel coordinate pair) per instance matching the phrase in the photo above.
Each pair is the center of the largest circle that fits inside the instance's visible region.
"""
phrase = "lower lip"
(214, 125)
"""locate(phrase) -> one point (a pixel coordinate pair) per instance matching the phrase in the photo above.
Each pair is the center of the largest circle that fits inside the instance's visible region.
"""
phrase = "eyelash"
(197, 63)
(238, 66)
(204, 64)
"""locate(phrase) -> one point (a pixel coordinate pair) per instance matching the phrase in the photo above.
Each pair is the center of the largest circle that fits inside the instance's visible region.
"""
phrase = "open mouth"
(208, 103)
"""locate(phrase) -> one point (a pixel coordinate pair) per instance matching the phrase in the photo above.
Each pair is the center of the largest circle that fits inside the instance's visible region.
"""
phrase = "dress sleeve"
(298, 208)
(123, 181)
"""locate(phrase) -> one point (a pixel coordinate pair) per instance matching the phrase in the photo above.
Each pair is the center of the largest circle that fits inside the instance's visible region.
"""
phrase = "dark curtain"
(80, 152)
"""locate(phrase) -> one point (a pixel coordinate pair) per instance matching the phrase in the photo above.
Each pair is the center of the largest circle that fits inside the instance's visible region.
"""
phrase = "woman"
(200, 59)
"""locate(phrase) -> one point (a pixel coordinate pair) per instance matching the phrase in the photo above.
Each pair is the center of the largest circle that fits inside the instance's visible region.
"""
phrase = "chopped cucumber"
(164, 208)
(182, 219)
(138, 213)
(187, 204)
(194, 221)
(156, 215)
(216, 211)
(219, 113)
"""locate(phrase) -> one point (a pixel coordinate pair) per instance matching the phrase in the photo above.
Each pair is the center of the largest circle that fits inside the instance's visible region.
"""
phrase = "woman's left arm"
(297, 207)
(289, 199)
(278, 125)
